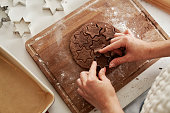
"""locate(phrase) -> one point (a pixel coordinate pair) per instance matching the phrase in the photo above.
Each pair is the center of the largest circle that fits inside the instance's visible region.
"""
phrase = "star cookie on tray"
(53, 6)
(22, 27)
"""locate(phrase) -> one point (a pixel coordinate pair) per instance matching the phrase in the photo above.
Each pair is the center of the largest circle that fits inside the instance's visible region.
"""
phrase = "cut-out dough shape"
(17, 2)
(22, 27)
(98, 33)
(99, 43)
(82, 53)
(81, 38)
(109, 33)
(93, 30)
(102, 61)
(3, 15)
(53, 6)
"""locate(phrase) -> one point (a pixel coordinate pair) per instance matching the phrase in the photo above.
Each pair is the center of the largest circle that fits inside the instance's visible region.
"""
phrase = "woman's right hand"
(136, 49)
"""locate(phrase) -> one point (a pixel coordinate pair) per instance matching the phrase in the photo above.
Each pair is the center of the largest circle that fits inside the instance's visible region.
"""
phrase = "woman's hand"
(136, 49)
(100, 93)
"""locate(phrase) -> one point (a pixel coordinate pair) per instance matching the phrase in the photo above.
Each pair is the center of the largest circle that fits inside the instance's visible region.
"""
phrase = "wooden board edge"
(157, 26)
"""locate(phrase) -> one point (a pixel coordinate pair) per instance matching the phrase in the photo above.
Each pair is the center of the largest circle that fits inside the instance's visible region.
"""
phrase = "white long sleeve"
(158, 98)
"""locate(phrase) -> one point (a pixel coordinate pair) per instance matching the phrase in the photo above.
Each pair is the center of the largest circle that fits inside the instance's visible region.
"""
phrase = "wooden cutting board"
(50, 48)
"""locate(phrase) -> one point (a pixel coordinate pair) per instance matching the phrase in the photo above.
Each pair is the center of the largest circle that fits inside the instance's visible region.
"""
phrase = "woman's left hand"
(98, 91)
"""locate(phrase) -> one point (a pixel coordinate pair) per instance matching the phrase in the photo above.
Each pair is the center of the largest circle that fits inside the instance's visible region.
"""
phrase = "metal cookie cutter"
(3, 15)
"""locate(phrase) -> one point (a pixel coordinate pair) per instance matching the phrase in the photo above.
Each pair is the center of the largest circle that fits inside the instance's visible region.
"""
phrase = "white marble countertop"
(42, 19)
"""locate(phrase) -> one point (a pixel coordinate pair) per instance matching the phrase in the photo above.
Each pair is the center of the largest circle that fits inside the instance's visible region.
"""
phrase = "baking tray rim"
(20, 65)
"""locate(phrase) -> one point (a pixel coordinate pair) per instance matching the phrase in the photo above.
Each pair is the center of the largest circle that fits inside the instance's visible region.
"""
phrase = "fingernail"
(99, 50)
(94, 62)
(104, 69)
(112, 65)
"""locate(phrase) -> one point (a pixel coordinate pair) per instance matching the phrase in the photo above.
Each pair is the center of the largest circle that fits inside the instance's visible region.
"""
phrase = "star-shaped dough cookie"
(22, 27)
(83, 54)
(81, 39)
(99, 42)
(109, 33)
(53, 6)
(16, 2)
(93, 30)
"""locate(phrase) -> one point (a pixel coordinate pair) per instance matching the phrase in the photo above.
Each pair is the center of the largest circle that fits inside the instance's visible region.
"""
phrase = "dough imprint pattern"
(87, 40)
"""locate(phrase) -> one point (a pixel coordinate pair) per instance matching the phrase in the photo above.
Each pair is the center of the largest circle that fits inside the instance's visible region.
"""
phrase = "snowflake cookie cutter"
(22, 27)
(4, 15)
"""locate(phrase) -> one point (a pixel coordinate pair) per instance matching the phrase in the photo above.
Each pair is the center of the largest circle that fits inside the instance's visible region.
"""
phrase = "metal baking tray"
(5, 54)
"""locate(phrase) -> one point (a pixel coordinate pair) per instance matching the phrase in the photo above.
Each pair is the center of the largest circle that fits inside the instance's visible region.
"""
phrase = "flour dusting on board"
(62, 76)
(62, 54)
(114, 15)
(59, 24)
(58, 32)
(120, 70)
(67, 79)
(116, 18)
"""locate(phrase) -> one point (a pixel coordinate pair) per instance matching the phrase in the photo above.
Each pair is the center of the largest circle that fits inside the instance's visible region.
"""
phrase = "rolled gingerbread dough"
(87, 40)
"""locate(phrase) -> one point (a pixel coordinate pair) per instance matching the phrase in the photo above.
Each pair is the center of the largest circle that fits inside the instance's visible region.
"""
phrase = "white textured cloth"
(158, 98)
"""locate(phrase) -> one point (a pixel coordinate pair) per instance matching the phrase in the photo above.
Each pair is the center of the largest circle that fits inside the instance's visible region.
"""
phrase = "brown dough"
(87, 40)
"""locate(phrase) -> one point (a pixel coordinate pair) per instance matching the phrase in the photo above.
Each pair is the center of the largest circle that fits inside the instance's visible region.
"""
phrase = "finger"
(81, 93)
(84, 95)
(79, 83)
(118, 34)
(112, 46)
(80, 86)
(102, 74)
(86, 72)
(114, 39)
(83, 77)
(128, 32)
(92, 71)
(118, 51)
(117, 61)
